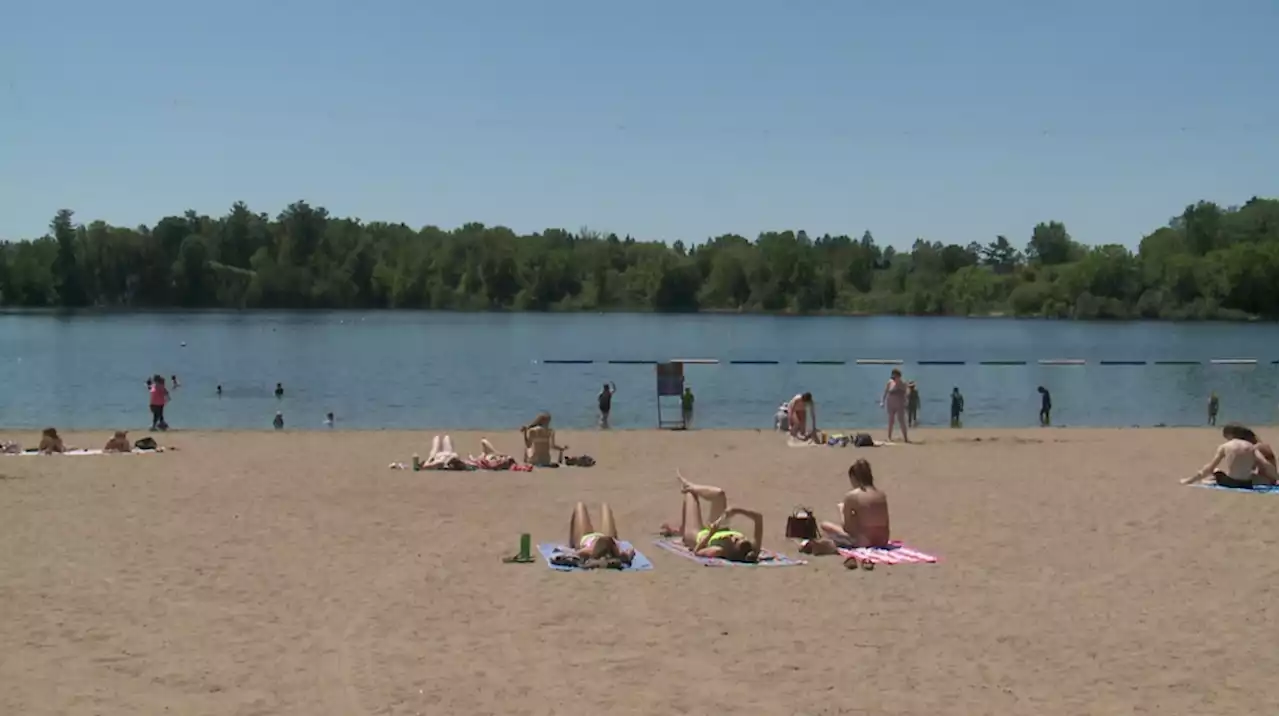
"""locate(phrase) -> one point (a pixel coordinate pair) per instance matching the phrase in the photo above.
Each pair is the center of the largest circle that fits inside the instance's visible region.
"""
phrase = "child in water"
(913, 405)
(279, 421)
(957, 406)
(1046, 405)
(1213, 408)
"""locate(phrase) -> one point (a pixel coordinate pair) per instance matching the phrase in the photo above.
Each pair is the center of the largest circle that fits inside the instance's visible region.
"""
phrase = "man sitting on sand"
(864, 513)
(118, 443)
(1240, 462)
(799, 410)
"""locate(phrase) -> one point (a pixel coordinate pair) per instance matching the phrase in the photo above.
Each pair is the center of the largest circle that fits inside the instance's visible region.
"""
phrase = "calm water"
(411, 369)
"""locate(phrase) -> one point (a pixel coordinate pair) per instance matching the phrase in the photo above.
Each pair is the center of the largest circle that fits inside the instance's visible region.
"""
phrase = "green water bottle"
(417, 462)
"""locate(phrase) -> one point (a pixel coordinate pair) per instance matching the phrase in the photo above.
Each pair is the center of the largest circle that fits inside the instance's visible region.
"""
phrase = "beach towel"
(895, 553)
(767, 558)
(639, 563)
(1256, 490)
(80, 453)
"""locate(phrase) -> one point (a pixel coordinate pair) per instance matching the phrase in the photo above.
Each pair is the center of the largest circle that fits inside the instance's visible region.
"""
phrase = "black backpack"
(863, 440)
(147, 443)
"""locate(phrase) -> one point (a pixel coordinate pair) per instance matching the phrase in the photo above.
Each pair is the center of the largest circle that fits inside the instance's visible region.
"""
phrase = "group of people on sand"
(539, 443)
(900, 400)
(1243, 461)
(864, 522)
(51, 443)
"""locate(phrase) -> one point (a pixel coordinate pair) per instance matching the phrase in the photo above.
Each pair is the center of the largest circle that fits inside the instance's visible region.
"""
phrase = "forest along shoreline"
(1207, 263)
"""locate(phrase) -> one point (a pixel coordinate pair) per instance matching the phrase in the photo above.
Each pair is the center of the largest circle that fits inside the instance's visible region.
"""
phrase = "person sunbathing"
(1240, 462)
(864, 513)
(711, 537)
(540, 440)
(489, 458)
(50, 442)
(602, 548)
(118, 443)
(442, 456)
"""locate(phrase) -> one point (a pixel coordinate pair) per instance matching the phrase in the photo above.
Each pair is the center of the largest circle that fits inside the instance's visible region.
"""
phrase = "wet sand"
(293, 573)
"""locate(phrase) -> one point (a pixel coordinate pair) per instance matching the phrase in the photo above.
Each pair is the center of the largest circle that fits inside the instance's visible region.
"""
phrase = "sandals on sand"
(854, 563)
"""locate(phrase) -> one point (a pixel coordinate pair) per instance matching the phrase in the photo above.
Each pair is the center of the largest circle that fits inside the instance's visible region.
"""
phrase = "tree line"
(1208, 262)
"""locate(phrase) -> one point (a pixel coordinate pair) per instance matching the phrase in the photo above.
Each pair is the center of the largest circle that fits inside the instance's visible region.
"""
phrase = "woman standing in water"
(159, 398)
(894, 401)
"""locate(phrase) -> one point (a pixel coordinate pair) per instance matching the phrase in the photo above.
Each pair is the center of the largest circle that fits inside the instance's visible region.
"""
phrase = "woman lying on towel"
(1242, 461)
(442, 456)
(540, 440)
(712, 538)
(592, 545)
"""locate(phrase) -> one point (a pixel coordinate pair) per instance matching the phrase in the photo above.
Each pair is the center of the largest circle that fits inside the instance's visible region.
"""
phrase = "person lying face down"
(712, 537)
(1242, 461)
(602, 545)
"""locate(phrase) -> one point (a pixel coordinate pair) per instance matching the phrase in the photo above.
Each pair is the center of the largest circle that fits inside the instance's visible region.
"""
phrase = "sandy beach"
(294, 573)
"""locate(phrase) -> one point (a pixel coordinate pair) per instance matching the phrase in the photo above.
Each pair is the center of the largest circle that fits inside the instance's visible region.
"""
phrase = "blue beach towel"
(767, 557)
(1257, 490)
(639, 563)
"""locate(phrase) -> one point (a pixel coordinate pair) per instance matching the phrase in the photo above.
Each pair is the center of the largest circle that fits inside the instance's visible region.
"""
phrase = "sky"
(951, 121)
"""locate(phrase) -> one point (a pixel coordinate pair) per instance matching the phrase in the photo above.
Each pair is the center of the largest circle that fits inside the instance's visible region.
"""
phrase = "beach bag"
(802, 524)
(863, 440)
(147, 443)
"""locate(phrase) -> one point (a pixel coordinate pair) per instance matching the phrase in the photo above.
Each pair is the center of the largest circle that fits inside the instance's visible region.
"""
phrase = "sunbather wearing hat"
(713, 538)
(601, 545)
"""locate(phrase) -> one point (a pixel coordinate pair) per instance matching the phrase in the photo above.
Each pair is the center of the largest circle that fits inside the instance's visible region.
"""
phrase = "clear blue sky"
(954, 121)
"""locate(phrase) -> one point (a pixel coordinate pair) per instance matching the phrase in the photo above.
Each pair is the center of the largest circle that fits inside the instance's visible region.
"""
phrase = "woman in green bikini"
(713, 538)
(602, 545)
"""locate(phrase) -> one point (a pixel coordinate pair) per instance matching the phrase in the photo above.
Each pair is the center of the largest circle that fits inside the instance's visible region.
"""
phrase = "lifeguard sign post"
(670, 389)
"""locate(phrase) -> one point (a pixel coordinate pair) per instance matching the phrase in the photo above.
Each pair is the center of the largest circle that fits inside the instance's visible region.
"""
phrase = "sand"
(264, 573)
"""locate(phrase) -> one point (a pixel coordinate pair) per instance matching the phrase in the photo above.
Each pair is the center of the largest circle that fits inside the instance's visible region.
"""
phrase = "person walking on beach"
(158, 399)
(1213, 408)
(957, 406)
(1046, 405)
(913, 405)
(686, 407)
(605, 403)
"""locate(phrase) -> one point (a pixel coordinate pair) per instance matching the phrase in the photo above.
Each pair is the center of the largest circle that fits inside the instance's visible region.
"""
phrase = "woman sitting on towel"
(540, 440)
(118, 443)
(592, 545)
(864, 513)
(51, 442)
(1240, 462)
(713, 538)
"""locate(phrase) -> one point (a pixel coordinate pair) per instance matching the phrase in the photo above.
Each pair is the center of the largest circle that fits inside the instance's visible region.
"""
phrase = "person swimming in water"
(1213, 408)
(1046, 405)
(605, 403)
(590, 544)
(711, 537)
(1240, 462)
(957, 407)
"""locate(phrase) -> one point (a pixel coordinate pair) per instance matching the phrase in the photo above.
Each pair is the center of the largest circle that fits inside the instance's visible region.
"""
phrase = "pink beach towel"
(895, 553)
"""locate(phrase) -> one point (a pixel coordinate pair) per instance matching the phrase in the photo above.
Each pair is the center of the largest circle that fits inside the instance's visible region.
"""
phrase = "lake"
(406, 369)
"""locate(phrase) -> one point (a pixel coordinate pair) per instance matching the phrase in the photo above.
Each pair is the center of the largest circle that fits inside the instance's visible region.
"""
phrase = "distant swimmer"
(801, 412)
(605, 403)
(686, 407)
(1213, 408)
(219, 391)
(328, 420)
(279, 390)
(957, 407)
(173, 380)
(1046, 405)
(278, 423)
